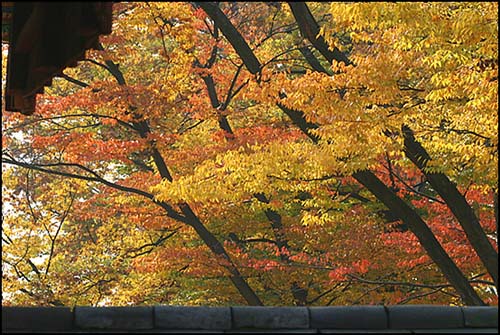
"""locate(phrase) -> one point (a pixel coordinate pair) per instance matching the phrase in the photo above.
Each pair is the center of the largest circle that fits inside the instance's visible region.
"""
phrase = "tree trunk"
(423, 233)
(218, 249)
(456, 202)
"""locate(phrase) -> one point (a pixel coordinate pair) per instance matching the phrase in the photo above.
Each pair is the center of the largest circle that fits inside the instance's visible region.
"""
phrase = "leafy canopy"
(99, 184)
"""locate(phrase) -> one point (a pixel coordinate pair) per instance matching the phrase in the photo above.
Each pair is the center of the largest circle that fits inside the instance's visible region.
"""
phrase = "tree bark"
(233, 35)
(310, 30)
(312, 60)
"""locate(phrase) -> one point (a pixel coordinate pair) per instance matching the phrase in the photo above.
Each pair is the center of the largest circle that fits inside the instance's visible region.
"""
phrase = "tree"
(232, 147)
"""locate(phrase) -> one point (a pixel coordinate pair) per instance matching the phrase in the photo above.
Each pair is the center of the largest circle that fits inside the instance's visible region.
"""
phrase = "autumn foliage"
(186, 165)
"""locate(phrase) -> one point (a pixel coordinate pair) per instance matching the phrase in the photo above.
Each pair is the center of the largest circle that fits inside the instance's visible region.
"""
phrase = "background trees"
(228, 154)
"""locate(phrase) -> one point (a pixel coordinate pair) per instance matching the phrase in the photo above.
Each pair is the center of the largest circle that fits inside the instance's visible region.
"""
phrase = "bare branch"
(397, 283)
(43, 168)
(53, 239)
(412, 189)
(73, 80)
(421, 295)
(32, 121)
(139, 251)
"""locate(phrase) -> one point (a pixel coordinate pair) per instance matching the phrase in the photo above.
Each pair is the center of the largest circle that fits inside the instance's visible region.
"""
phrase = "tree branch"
(73, 80)
(42, 168)
(138, 251)
(312, 60)
(310, 30)
(31, 120)
(53, 239)
(233, 35)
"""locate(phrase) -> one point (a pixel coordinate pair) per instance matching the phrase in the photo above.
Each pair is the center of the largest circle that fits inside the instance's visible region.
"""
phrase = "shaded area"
(44, 38)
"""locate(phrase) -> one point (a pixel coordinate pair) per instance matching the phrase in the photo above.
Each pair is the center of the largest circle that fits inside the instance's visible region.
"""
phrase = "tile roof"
(44, 38)
(249, 319)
